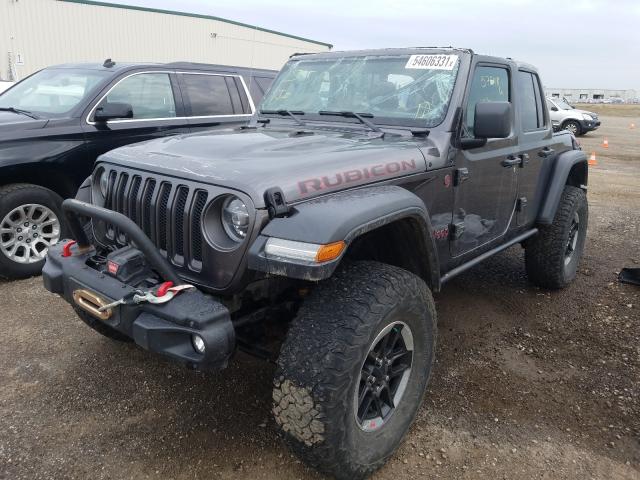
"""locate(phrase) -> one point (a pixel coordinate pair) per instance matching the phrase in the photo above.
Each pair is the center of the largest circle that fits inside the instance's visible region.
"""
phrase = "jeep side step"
(473, 262)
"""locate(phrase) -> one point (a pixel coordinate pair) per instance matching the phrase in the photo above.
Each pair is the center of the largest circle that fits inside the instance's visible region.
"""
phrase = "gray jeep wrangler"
(316, 234)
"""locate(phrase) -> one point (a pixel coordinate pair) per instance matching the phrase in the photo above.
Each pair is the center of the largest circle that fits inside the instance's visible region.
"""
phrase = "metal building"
(38, 33)
(590, 94)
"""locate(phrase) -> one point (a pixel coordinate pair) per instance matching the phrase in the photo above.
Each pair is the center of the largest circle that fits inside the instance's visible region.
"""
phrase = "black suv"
(55, 123)
(317, 234)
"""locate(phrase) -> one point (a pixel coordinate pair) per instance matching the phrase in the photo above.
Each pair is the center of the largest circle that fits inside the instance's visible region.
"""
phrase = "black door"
(157, 112)
(214, 100)
(535, 146)
(486, 181)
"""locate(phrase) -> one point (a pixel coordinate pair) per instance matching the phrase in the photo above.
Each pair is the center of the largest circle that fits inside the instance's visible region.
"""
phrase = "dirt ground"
(528, 384)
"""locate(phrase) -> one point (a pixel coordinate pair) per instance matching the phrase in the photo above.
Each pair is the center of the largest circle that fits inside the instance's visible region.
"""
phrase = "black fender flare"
(559, 178)
(343, 216)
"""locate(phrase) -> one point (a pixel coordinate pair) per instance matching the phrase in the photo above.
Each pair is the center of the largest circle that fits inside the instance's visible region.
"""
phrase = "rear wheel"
(552, 256)
(354, 368)
(30, 223)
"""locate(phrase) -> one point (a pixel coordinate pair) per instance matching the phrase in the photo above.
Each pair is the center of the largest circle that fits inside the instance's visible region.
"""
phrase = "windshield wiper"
(20, 111)
(293, 114)
(359, 116)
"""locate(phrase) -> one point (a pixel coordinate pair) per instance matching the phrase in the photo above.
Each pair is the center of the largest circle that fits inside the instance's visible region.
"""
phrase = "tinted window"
(246, 108)
(489, 84)
(149, 94)
(208, 95)
(254, 89)
(528, 106)
(538, 92)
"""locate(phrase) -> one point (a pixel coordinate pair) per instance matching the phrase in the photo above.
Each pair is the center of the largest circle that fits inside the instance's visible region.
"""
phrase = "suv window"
(208, 95)
(149, 94)
(531, 100)
(529, 113)
(489, 84)
(539, 96)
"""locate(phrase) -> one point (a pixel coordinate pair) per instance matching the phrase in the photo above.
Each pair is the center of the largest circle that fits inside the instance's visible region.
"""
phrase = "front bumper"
(166, 328)
(589, 125)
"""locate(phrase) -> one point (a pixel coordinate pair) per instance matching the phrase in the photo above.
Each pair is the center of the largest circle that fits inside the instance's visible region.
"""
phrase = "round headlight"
(235, 218)
(103, 182)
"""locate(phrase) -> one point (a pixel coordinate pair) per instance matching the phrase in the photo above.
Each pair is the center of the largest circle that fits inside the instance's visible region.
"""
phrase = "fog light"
(198, 343)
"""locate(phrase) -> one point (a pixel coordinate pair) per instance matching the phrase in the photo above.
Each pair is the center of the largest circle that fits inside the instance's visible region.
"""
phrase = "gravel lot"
(528, 384)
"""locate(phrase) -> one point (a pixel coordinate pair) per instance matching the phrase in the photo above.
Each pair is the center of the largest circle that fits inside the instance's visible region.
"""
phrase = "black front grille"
(168, 212)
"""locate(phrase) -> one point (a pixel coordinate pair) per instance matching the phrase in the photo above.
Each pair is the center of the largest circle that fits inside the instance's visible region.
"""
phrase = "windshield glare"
(391, 88)
(52, 92)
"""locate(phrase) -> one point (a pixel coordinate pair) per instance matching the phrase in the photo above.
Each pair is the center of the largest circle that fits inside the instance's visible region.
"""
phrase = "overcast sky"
(575, 43)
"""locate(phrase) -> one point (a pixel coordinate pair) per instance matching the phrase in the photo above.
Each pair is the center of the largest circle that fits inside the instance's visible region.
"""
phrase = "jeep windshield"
(51, 92)
(403, 90)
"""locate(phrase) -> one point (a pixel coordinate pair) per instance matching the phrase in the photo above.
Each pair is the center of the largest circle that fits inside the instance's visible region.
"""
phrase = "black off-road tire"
(546, 253)
(100, 327)
(13, 196)
(319, 367)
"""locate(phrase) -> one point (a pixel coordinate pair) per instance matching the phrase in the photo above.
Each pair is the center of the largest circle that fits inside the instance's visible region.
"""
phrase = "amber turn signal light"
(330, 251)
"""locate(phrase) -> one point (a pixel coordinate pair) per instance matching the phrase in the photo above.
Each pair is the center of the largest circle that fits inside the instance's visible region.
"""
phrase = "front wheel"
(30, 223)
(354, 368)
(573, 127)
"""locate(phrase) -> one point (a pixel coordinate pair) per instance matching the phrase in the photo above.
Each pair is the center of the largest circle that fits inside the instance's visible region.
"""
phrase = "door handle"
(524, 159)
(511, 161)
(546, 152)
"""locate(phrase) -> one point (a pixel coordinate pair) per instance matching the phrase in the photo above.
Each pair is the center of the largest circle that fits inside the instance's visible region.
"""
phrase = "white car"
(566, 117)
(4, 85)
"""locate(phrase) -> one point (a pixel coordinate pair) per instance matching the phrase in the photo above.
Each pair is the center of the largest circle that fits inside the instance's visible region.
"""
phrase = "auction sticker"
(432, 62)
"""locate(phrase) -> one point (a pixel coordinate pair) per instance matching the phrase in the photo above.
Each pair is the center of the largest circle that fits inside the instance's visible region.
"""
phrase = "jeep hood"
(303, 164)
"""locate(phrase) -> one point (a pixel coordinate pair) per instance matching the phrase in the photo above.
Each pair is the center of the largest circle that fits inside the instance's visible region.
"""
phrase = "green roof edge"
(193, 15)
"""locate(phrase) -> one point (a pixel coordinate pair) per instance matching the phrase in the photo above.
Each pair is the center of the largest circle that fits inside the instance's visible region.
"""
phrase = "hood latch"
(275, 202)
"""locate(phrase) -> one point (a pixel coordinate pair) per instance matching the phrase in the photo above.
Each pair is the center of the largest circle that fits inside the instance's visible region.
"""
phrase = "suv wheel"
(354, 368)
(29, 224)
(552, 256)
(573, 127)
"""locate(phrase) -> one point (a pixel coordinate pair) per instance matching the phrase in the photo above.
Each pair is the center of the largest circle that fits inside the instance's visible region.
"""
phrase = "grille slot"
(150, 186)
(165, 190)
(181, 202)
(199, 203)
(133, 198)
(169, 214)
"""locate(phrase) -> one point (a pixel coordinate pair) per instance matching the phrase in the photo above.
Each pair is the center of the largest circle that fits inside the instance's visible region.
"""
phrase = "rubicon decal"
(357, 175)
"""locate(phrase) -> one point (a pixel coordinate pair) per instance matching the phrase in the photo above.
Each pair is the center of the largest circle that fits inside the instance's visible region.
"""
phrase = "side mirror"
(113, 111)
(554, 109)
(492, 120)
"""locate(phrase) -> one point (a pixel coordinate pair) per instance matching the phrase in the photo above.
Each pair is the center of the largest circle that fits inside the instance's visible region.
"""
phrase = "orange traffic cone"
(632, 125)
(605, 143)
(592, 159)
